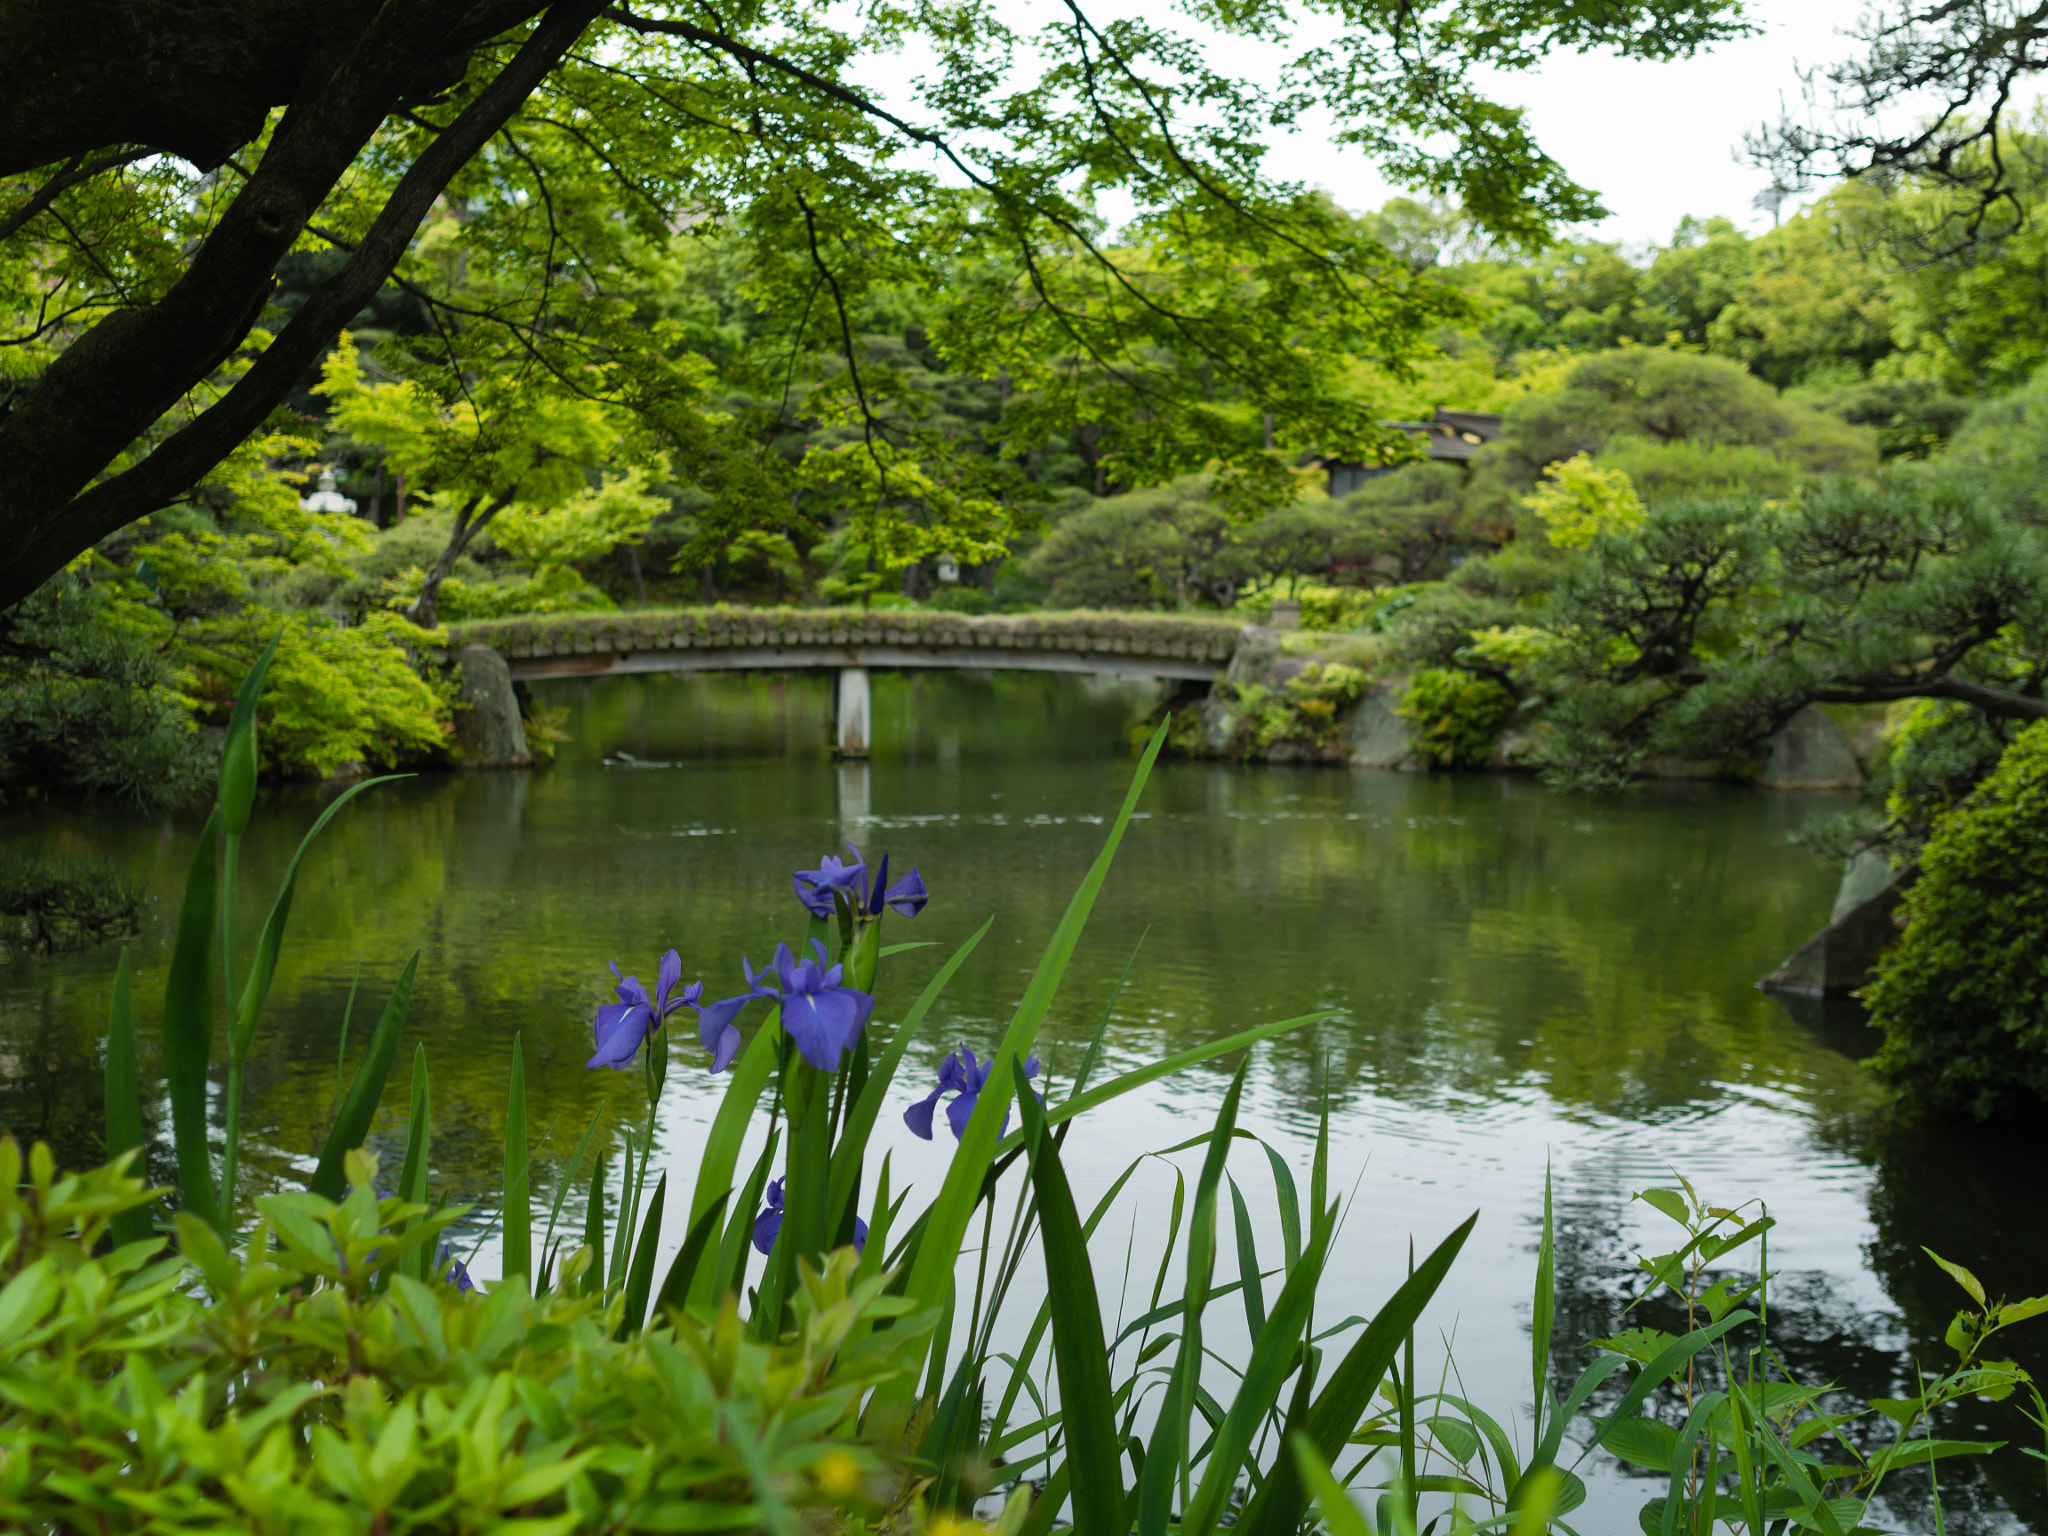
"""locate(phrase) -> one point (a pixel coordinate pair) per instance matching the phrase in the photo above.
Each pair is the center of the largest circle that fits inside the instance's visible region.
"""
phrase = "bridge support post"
(855, 713)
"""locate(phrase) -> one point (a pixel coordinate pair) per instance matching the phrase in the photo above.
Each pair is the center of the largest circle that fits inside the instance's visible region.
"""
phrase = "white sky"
(1657, 141)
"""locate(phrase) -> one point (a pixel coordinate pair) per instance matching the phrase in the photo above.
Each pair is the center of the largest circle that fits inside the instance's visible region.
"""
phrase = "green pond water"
(1523, 980)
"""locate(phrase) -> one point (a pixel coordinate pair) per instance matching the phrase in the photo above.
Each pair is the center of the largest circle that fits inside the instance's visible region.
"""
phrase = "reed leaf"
(365, 1091)
(932, 1270)
(593, 1230)
(675, 1290)
(1276, 1348)
(518, 1219)
(256, 991)
(188, 1026)
(1275, 1510)
(122, 1089)
(640, 1278)
(721, 1155)
(1082, 1362)
(860, 1120)
(412, 1178)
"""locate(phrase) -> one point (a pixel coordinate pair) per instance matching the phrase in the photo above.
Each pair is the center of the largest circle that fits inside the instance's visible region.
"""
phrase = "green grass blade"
(622, 1237)
(1019, 1374)
(188, 1025)
(867, 1107)
(1179, 1061)
(352, 1121)
(640, 1278)
(1542, 1309)
(1248, 1264)
(264, 968)
(730, 1275)
(122, 1090)
(1288, 1201)
(1276, 1509)
(1093, 1054)
(518, 1220)
(1341, 1517)
(412, 1178)
(569, 1172)
(1275, 1351)
(348, 1014)
(1078, 1352)
(593, 1230)
(1166, 1461)
(750, 1076)
(675, 1290)
(242, 1033)
(932, 1271)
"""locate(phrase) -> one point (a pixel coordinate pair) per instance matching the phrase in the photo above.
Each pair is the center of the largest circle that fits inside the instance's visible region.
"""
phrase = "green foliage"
(1305, 713)
(1456, 716)
(1757, 1448)
(50, 907)
(88, 705)
(309, 1387)
(1962, 996)
(1578, 501)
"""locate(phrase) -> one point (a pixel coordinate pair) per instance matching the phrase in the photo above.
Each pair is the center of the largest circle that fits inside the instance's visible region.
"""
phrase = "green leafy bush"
(1456, 716)
(1963, 997)
(304, 1381)
(88, 705)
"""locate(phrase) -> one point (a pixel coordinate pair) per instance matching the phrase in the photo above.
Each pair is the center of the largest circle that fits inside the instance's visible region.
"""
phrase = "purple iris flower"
(823, 1017)
(456, 1273)
(621, 1026)
(815, 888)
(770, 1223)
(961, 1075)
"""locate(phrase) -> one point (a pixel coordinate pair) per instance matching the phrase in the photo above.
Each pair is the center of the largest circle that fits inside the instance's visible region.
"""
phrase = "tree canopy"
(165, 162)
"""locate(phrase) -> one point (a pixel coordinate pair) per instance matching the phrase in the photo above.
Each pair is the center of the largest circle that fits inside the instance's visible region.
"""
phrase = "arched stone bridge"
(852, 641)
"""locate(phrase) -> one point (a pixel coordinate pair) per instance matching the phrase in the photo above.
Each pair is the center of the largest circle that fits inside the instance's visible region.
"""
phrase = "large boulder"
(1258, 648)
(1378, 737)
(1810, 752)
(488, 730)
(1864, 925)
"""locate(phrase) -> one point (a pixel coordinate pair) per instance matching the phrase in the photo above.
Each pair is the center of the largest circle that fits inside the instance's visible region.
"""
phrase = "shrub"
(1963, 997)
(88, 706)
(1305, 711)
(1456, 716)
(315, 1386)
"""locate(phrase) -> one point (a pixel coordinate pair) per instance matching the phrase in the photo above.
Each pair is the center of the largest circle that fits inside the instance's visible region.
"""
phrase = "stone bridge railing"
(852, 641)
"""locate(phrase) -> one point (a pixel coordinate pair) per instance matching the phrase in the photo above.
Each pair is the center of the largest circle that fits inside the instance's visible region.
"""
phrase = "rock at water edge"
(1378, 737)
(1840, 957)
(1810, 752)
(488, 730)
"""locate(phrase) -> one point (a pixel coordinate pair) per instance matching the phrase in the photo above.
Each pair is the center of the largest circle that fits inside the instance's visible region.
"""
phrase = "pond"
(1523, 981)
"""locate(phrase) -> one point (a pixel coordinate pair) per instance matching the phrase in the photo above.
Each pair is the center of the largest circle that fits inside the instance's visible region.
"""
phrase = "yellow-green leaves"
(1578, 501)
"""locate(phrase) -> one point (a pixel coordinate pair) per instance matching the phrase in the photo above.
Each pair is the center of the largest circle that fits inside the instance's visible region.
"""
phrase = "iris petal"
(765, 1230)
(919, 1116)
(960, 1111)
(619, 1037)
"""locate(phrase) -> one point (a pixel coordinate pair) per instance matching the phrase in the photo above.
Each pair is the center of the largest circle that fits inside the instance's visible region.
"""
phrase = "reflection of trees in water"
(50, 1080)
(1822, 1336)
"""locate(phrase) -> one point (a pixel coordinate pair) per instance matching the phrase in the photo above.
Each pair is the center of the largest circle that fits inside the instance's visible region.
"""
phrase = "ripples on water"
(1524, 980)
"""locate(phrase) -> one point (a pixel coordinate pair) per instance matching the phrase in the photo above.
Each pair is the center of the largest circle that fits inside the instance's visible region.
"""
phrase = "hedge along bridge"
(853, 642)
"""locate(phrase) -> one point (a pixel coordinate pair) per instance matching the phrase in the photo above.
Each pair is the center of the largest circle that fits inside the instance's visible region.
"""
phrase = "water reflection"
(1522, 979)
